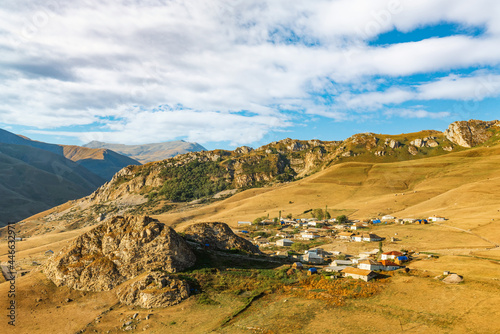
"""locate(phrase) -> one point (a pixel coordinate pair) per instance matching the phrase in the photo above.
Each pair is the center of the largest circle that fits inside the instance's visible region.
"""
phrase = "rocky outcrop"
(470, 133)
(218, 236)
(412, 150)
(117, 250)
(243, 150)
(432, 143)
(155, 289)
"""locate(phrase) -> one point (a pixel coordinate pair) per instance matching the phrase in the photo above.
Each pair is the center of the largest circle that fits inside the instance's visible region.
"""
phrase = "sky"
(226, 73)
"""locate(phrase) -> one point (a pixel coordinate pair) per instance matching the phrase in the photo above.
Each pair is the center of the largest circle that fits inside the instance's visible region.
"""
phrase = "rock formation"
(155, 289)
(413, 150)
(219, 236)
(470, 133)
(117, 250)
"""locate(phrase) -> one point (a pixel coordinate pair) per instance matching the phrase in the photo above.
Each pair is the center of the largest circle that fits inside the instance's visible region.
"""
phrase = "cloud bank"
(217, 70)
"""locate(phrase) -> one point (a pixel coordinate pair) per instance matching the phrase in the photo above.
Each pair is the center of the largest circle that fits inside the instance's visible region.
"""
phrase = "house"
(340, 227)
(49, 252)
(341, 263)
(409, 220)
(366, 237)
(312, 258)
(369, 264)
(390, 255)
(335, 269)
(308, 235)
(389, 265)
(357, 273)
(315, 223)
(376, 221)
(244, 223)
(283, 235)
(421, 221)
(388, 217)
(401, 259)
(317, 250)
(284, 242)
(371, 237)
(260, 241)
(436, 219)
(346, 235)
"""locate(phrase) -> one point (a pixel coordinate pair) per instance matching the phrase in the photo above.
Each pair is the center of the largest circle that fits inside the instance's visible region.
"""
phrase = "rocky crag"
(471, 133)
(118, 250)
(218, 236)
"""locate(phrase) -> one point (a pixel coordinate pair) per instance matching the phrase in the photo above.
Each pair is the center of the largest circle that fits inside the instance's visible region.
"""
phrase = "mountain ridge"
(150, 152)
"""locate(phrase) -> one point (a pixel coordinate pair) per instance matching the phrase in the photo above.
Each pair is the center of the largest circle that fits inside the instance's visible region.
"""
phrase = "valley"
(239, 292)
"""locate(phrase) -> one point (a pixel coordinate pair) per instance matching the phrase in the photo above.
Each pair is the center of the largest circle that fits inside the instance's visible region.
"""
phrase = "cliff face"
(470, 133)
(117, 250)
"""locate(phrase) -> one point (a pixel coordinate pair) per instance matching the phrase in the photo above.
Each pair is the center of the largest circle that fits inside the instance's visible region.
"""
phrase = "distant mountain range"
(35, 176)
(150, 152)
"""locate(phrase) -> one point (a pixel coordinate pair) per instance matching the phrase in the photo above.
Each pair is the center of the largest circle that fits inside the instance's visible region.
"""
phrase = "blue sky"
(226, 73)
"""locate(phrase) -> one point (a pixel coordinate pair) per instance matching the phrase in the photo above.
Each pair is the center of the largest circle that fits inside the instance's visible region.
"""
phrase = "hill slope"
(33, 180)
(102, 162)
(150, 152)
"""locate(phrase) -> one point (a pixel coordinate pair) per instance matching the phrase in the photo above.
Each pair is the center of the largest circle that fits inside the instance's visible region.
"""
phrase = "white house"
(388, 217)
(308, 235)
(244, 223)
(436, 219)
(341, 263)
(313, 258)
(369, 264)
(284, 242)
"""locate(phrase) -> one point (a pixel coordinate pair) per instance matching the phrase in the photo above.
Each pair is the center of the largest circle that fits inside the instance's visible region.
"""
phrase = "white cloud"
(415, 113)
(92, 62)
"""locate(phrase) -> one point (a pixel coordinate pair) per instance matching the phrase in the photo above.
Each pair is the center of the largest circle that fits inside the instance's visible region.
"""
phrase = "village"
(299, 241)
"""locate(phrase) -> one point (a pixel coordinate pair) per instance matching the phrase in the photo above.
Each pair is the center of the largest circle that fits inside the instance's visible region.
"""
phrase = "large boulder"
(470, 133)
(219, 236)
(119, 249)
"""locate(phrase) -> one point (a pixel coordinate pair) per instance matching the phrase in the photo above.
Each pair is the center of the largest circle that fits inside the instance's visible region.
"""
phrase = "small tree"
(327, 215)
(318, 213)
(342, 219)
(299, 247)
(289, 216)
